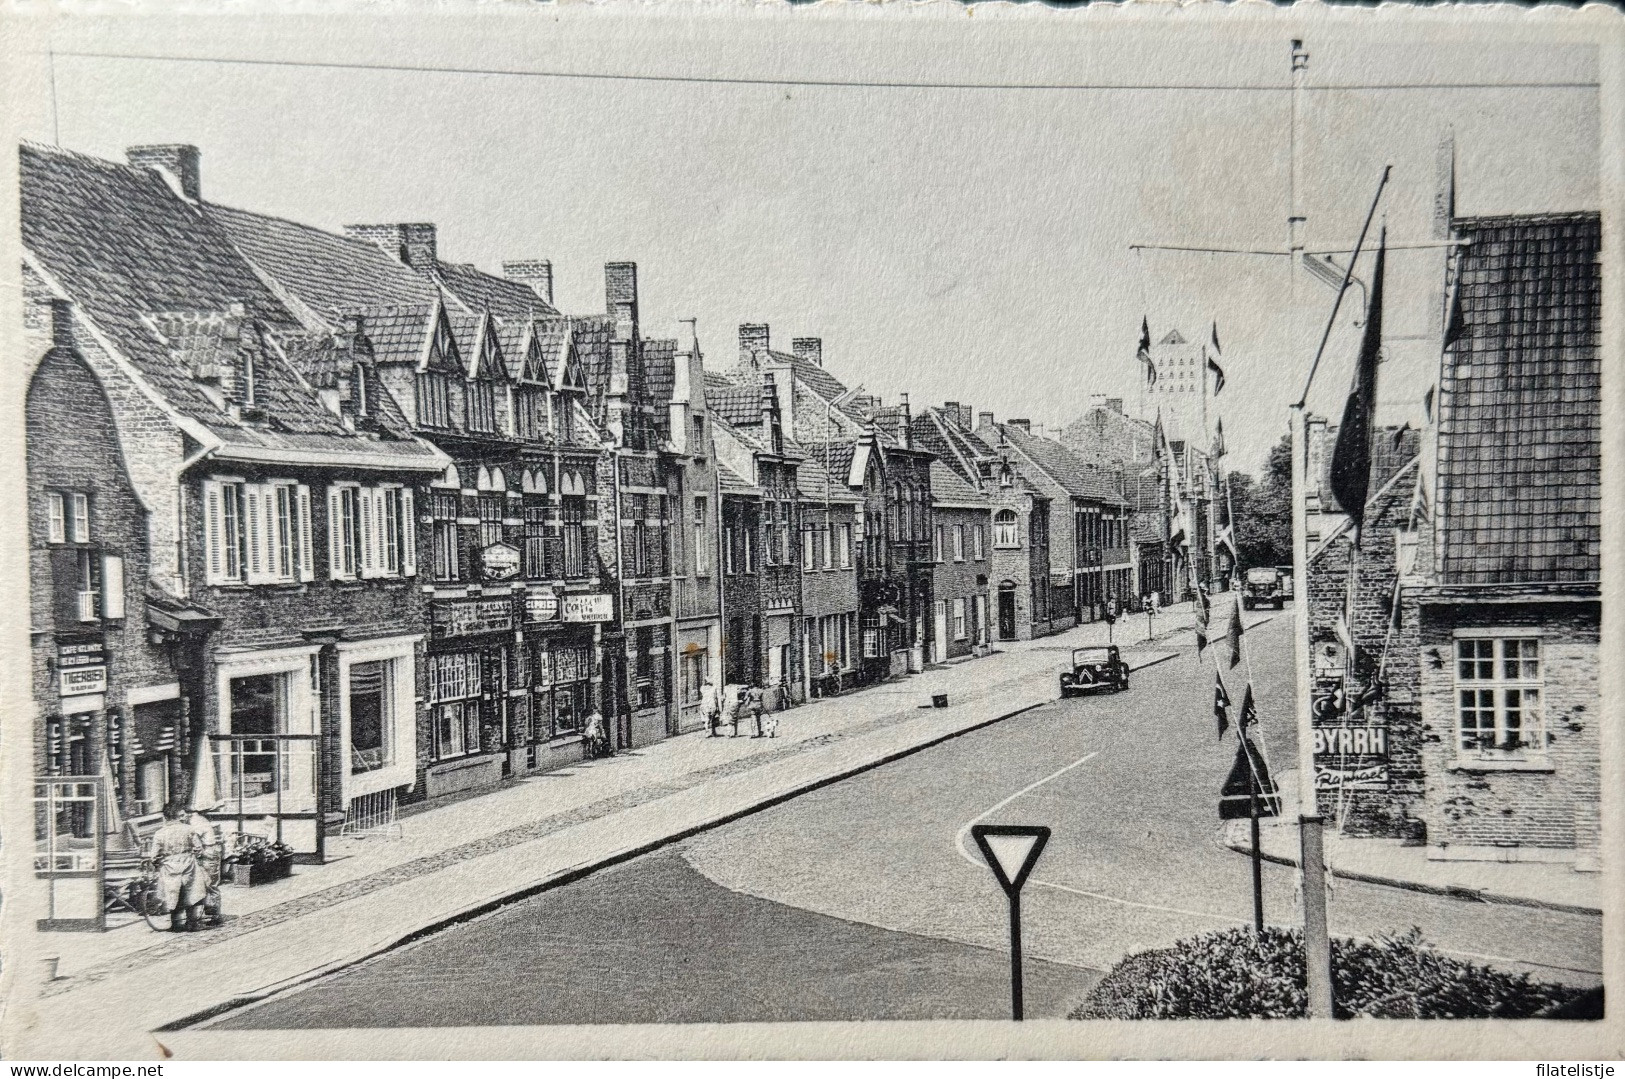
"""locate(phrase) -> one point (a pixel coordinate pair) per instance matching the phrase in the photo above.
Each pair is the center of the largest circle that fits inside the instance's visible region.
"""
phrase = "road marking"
(959, 840)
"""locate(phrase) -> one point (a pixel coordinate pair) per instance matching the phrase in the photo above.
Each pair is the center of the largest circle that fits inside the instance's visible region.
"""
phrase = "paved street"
(863, 900)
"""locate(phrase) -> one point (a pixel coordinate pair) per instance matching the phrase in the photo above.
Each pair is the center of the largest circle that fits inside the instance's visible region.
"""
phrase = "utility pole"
(1316, 936)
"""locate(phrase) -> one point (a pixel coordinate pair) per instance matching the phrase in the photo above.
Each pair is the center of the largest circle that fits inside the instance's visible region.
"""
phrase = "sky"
(967, 240)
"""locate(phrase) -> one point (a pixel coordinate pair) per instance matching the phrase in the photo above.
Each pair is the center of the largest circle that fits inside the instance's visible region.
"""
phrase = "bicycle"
(137, 895)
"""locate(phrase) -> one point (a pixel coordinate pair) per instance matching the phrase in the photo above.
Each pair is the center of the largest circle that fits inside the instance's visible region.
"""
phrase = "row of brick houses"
(323, 523)
(1459, 708)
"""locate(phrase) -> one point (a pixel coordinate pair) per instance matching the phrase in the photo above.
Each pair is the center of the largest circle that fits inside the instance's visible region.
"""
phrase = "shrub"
(1234, 974)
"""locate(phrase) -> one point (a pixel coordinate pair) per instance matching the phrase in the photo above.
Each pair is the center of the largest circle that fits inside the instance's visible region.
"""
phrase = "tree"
(1263, 526)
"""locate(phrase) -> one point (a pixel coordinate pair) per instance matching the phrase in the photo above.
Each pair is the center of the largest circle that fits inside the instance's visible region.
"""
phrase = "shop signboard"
(589, 607)
(465, 617)
(82, 668)
(1351, 757)
(499, 562)
(542, 607)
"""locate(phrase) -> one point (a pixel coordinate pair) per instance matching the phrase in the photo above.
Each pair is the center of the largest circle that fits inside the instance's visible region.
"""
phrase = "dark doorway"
(1007, 611)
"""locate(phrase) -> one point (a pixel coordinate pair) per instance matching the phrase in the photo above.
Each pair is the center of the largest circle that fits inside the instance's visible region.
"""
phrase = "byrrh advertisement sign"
(1349, 757)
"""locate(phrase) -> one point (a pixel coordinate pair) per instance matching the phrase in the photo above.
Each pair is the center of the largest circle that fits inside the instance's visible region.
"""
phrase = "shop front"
(471, 712)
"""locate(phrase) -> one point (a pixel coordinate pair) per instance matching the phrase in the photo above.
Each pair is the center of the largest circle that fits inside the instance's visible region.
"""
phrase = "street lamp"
(1011, 851)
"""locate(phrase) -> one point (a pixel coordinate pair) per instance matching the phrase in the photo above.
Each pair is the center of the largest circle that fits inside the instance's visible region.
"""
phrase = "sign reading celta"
(82, 668)
(499, 562)
(589, 607)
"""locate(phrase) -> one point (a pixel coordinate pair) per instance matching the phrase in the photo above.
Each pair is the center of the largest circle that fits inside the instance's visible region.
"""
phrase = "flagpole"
(1316, 935)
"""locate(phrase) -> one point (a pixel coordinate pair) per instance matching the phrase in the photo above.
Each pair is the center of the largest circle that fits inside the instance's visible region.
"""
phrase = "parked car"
(1263, 586)
(1096, 667)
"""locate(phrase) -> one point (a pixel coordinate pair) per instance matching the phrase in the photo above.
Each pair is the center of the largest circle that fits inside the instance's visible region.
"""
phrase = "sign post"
(1250, 792)
(1011, 851)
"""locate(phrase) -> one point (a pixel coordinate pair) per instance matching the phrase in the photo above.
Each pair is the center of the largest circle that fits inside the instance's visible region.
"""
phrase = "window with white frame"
(256, 533)
(979, 543)
(69, 517)
(1498, 690)
(936, 545)
(1004, 529)
(960, 631)
(846, 546)
(371, 532)
(808, 563)
(373, 721)
(959, 543)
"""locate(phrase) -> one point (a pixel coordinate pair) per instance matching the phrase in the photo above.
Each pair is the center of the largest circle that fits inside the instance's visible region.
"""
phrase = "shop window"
(372, 715)
(454, 706)
(561, 691)
(1498, 696)
(260, 703)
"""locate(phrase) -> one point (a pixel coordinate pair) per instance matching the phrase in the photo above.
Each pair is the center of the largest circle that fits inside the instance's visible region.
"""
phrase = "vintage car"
(1096, 667)
(1263, 587)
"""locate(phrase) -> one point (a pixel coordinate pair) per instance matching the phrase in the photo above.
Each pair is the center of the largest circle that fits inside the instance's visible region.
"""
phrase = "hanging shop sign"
(464, 617)
(82, 668)
(499, 562)
(589, 607)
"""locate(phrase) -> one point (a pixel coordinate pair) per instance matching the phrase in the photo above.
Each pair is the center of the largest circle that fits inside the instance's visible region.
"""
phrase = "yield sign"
(1011, 851)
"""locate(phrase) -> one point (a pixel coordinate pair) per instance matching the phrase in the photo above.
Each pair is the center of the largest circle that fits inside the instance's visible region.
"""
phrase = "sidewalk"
(475, 854)
(1389, 862)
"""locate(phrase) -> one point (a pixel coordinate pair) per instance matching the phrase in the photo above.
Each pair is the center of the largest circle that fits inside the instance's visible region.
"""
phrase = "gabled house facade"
(280, 561)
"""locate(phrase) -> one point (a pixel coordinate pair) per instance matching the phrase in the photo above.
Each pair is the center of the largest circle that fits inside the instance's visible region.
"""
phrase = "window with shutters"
(370, 532)
(68, 517)
(573, 516)
(979, 543)
(482, 406)
(344, 531)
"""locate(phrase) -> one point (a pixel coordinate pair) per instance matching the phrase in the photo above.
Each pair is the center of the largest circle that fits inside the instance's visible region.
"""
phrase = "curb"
(573, 874)
(1466, 895)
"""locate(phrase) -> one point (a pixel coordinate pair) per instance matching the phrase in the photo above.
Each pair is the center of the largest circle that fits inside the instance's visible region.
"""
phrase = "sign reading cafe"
(589, 607)
(82, 668)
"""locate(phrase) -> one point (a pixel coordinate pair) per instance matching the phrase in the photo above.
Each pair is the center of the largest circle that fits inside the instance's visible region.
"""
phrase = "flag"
(1249, 789)
(1351, 456)
(1455, 324)
(1216, 347)
(1218, 439)
(1234, 635)
(1213, 365)
(1203, 613)
(1249, 711)
(1399, 434)
(1427, 403)
(1144, 353)
(1221, 704)
(1341, 628)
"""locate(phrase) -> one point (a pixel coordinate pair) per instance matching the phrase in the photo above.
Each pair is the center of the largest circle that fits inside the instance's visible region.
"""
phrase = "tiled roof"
(465, 330)
(729, 480)
(946, 486)
(398, 334)
(838, 455)
(477, 290)
(323, 269)
(1520, 407)
(817, 379)
(738, 405)
(1065, 468)
(323, 358)
(511, 335)
(660, 368)
(815, 484)
(126, 248)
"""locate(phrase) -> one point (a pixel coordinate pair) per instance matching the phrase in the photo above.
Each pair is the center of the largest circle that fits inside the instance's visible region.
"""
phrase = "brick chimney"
(951, 408)
(621, 297)
(984, 419)
(753, 338)
(1023, 425)
(905, 434)
(414, 244)
(537, 273)
(772, 435)
(177, 160)
(966, 416)
(810, 349)
(1115, 404)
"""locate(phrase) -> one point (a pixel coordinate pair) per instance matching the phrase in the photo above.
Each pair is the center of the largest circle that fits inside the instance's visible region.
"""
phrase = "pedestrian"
(711, 705)
(597, 743)
(735, 698)
(754, 704)
(211, 864)
(173, 850)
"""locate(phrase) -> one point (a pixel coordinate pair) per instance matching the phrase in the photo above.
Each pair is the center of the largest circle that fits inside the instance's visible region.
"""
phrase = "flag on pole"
(1249, 711)
(1399, 434)
(1351, 456)
(1427, 403)
(1213, 364)
(1203, 612)
(1144, 353)
(1221, 703)
(1341, 628)
(1233, 634)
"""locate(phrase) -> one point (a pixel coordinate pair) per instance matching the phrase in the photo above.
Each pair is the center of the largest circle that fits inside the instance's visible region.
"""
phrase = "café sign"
(463, 617)
(82, 668)
(589, 607)
(1349, 757)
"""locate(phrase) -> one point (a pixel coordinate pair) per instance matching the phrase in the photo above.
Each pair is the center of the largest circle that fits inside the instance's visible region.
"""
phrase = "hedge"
(1233, 974)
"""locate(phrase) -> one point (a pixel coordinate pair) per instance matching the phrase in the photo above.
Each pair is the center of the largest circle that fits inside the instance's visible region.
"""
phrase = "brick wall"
(965, 580)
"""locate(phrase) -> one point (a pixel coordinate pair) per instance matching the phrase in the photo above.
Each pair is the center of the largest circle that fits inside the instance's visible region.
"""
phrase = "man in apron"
(210, 864)
(174, 850)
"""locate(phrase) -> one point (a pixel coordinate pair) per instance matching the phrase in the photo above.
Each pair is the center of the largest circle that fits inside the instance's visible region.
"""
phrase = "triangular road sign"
(1011, 851)
(1235, 798)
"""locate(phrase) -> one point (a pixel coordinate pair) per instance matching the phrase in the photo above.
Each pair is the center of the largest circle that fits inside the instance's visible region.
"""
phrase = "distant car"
(1095, 667)
(1263, 586)
(1286, 580)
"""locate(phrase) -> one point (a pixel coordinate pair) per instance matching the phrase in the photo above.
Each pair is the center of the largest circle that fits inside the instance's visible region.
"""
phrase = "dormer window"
(249, 378)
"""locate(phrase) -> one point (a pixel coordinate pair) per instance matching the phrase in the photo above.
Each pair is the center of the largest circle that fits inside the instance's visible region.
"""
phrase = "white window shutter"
(335, 534)
(112, 586)
(254, 528)
(409, 535)
(213, 538)
(307, 567)
(366, 512)
(273, 567)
